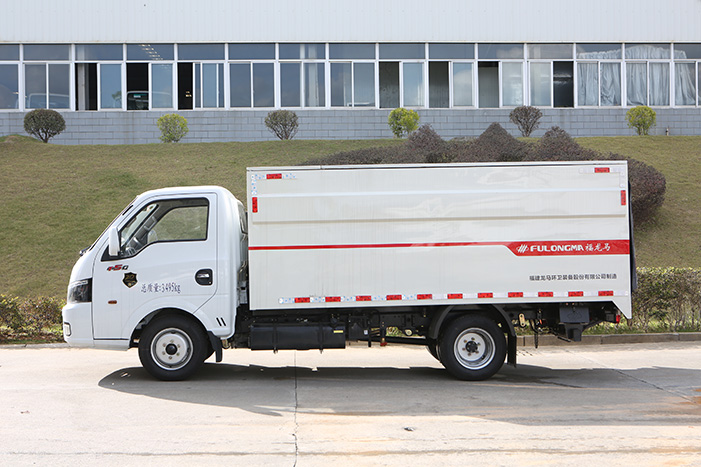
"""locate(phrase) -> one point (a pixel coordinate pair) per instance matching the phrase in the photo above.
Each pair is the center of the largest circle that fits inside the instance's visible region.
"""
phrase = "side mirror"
(113, 237)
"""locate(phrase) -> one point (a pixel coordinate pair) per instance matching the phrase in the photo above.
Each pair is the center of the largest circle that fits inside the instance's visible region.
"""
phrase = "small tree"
(403, 121)
(282, 123)
(526, 118)
(173, 127)
(44, 124)
(642, 118)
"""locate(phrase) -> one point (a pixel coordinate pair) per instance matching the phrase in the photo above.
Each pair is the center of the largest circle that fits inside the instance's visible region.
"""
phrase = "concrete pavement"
(620, 405)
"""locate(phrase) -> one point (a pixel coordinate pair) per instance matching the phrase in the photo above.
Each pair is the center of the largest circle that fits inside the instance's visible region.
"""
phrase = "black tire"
(173, 348)
(472, 348)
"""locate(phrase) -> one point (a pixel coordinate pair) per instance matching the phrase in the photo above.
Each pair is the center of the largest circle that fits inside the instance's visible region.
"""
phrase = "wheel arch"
(494, 312)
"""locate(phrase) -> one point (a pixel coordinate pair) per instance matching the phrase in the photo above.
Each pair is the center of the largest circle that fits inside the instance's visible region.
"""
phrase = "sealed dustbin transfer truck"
(453, 257)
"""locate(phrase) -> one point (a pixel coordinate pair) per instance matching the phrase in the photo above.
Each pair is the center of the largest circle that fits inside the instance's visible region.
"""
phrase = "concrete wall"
(212, 126)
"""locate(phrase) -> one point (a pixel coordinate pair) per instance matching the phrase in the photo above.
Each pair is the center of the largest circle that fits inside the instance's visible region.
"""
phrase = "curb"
(609, 339)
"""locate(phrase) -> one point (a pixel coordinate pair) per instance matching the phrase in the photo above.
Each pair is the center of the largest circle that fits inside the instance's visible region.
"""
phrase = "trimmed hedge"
(30, 316)
(670, 296)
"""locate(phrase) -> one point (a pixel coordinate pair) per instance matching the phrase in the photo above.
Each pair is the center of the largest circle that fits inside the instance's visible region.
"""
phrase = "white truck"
(451, 256)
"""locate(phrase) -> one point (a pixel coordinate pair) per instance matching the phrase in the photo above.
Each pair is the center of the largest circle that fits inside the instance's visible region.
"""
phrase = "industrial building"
(113, 67)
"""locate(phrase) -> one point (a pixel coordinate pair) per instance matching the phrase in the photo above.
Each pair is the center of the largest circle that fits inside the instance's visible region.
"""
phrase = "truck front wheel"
(173, 348)
(472, 348)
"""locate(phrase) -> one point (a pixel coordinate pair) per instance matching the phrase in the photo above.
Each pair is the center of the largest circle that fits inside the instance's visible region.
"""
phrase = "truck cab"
(171, 252)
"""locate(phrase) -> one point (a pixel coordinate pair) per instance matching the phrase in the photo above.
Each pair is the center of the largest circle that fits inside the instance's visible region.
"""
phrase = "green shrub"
(403, 121)
(671, 296)
(495, 145)
(642, 118)
(173, 127)
(44, 124)
(30, 316)
(10, 315)
(526, 118)
(283, 123)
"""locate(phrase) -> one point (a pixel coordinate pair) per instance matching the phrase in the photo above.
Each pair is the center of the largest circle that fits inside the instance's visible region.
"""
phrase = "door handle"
(204, 277)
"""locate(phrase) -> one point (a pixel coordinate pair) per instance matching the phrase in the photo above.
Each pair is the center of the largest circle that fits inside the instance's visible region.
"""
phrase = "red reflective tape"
(273, 176)
(601, 170)
(302, 300)
(605, 293)
(515, 294)
(578, 293)
(485, 295)
(424, 296)
(545, 294)
(333, 299)
(394, 297)
(624, 198)
(254, 204)
(363, 298)
(454, 296)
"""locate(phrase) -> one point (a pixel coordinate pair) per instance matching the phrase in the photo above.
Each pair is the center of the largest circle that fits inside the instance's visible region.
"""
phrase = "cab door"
(167, 259)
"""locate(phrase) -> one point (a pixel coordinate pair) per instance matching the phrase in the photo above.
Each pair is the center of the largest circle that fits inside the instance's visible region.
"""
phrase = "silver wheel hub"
(171, 349)
(474, 348)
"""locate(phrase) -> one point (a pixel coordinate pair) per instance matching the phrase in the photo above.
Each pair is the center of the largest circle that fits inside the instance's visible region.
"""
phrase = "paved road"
(614, 405)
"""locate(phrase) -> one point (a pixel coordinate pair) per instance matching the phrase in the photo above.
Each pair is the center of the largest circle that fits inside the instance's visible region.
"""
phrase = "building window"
(599, 74)
(551, 82)
(9, 77)
(450, 78)
(251, 82)
(200, 76)
(685, 74)
(463, 84)
(402, 69)
(46, 86)
(110, 79)
(647, 81)
(352, 83)
(263, 85)
(149, 78)
(303, 81)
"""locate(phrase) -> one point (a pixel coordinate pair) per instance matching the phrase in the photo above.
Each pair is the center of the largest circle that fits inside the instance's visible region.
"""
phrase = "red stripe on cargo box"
(273, 176)
(333, 299)
(254, 204)
(525, 248)
(624, 198)
(577, 293)
(424, 296)
(605, 293)
(545, 294)
(363, 298)
(485, 295)
(394, 297)
(515, 294)
(455, 296)
(601, 170)
(302, 300)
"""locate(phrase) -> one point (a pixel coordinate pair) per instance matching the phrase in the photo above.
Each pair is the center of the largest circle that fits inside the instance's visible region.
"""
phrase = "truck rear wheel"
(173, 348)
(472, 348)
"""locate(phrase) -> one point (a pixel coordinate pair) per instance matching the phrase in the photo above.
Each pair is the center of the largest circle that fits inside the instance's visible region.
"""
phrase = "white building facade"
(112, 68)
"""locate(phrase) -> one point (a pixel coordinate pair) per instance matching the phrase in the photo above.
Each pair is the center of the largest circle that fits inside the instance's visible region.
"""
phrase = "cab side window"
(165, 221)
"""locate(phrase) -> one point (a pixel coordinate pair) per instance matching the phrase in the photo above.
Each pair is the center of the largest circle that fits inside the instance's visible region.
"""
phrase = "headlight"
(80, 291)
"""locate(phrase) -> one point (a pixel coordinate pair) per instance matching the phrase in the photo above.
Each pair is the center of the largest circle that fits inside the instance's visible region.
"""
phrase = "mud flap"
(216, 345)
(511, 351)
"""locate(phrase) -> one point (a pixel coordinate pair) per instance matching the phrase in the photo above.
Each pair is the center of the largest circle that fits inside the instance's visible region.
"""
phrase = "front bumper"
(77, 324)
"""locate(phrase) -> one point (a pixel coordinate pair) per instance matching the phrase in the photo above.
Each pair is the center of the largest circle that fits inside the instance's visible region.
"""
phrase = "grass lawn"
(673, 238)
(57, 199)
